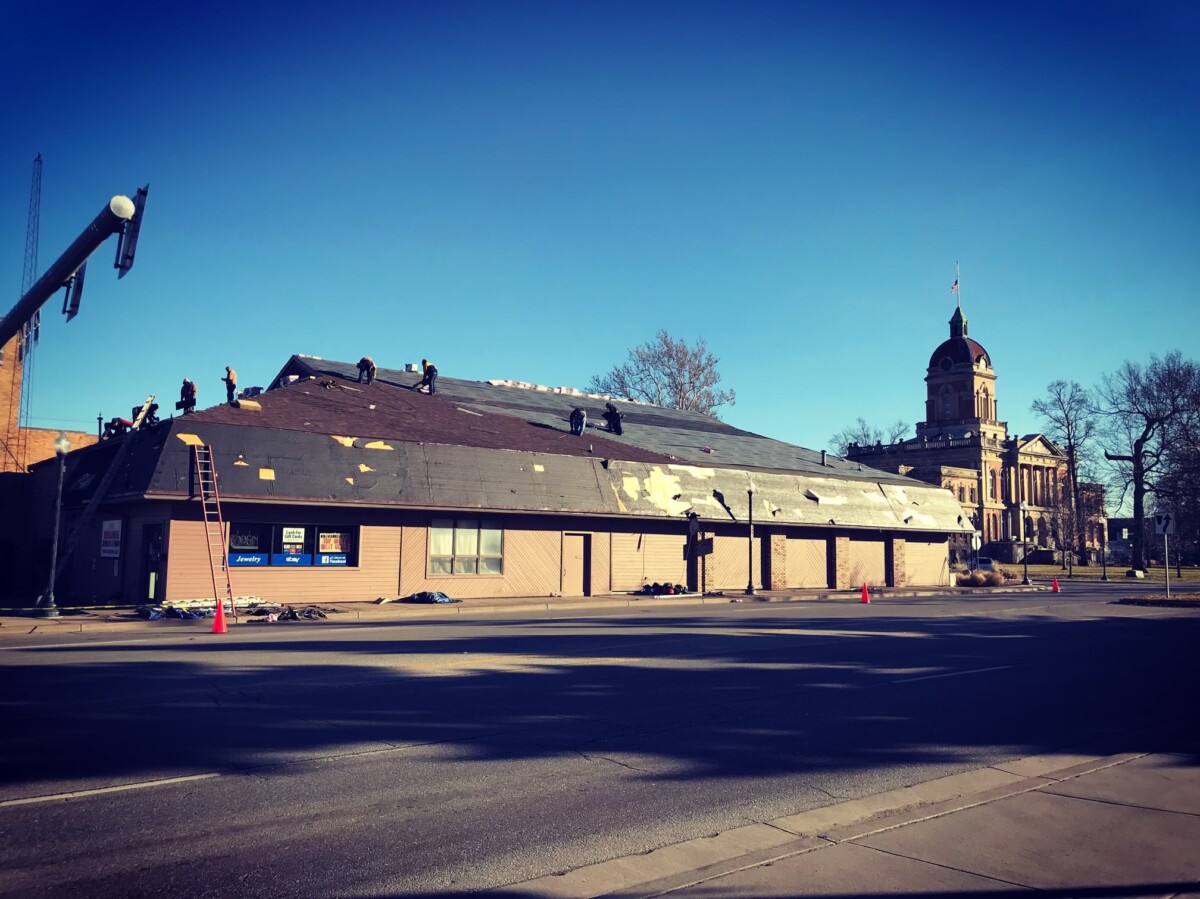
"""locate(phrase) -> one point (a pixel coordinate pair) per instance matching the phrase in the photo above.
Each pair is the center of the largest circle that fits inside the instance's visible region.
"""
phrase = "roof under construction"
(319, 437)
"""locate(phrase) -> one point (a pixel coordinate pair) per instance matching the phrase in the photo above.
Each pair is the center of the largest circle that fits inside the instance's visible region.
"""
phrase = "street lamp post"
(1025, 543)
(62, 446)
(750, 545)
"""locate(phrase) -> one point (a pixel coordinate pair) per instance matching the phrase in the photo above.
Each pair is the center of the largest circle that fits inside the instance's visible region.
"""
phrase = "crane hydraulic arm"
(120, 215)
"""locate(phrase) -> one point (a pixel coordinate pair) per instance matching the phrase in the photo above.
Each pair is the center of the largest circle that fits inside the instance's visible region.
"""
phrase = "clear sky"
(527, 190)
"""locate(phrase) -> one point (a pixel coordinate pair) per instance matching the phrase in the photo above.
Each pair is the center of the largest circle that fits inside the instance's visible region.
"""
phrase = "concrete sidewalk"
(1057, 825)
(122, 619)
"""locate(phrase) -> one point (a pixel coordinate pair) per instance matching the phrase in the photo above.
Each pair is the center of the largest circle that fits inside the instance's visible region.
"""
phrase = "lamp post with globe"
(45, 606)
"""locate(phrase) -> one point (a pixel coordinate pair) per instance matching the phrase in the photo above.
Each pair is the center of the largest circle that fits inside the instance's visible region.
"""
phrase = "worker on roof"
(366, 367)
(578, 421)
(187, 397)
(428, 376)
(230, 380)
(613, 416)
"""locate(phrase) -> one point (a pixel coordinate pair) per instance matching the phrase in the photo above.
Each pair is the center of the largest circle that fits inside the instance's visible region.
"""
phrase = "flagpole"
(958, 293)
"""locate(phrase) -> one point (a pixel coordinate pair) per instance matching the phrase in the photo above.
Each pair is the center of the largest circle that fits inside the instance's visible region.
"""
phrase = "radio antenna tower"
(21, 368)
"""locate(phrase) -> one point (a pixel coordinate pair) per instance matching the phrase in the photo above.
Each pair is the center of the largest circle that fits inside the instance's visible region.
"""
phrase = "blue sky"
(528, 190)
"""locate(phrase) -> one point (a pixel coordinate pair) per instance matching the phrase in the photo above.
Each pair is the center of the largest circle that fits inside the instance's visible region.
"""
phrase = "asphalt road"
(383, 760)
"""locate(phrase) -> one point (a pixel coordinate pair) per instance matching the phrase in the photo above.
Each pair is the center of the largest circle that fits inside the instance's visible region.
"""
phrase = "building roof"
(319, 437)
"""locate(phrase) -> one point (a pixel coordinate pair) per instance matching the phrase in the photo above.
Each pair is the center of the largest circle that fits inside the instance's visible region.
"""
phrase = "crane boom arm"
(111, 220)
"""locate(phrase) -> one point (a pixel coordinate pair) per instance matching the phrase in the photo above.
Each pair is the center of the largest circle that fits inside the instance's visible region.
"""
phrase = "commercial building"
(332, 490)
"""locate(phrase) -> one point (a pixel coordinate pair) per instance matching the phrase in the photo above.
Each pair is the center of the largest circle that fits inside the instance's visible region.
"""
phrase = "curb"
(26, 625)
(695, 861)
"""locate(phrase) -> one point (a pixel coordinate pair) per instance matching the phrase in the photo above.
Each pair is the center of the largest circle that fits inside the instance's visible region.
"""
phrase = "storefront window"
(465, 546)
(292, 545)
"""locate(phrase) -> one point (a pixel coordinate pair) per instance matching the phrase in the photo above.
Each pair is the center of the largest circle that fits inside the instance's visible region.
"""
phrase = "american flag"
(954, 286)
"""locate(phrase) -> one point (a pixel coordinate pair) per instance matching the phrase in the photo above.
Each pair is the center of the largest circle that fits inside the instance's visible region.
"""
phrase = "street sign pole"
(1167, 564)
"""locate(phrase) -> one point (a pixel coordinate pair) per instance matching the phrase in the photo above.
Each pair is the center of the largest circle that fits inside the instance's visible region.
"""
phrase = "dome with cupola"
(959, 349)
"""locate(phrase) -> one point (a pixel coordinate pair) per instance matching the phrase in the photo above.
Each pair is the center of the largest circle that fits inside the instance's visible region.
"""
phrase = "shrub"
(980, 578)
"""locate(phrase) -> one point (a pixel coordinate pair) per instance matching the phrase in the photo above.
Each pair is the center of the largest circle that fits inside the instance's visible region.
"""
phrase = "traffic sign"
(1164, 523)
(976, 540)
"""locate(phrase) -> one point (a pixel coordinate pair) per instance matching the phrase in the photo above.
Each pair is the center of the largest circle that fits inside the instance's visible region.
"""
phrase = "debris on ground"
(428, 596)
(662, 590)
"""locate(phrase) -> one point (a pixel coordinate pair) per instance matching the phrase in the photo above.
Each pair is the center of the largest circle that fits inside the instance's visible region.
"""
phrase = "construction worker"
(187, 397)
(428, 377)
(230, 380)
(613, 416)
(366, 367)
(578, 421)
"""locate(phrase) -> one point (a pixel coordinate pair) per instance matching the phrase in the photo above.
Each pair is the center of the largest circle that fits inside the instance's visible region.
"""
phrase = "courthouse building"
(964, 446)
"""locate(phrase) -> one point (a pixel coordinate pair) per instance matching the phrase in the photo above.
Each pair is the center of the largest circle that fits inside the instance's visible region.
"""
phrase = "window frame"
(474, 536)
(272, 550)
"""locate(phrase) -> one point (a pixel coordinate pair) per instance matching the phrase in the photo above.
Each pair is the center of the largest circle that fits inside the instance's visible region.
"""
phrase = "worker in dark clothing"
(230, 380)
(428, 377)
(366, 368)
(613, 417)
(187, 397)
(578, 421)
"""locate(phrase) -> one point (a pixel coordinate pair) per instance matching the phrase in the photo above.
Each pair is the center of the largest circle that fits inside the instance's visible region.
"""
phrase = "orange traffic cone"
(866, 597)
(1054, 585)
(219, 626)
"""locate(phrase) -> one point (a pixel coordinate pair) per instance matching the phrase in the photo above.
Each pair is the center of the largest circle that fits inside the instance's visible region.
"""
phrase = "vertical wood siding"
(807, 562)
(867, 561)
(927, 563)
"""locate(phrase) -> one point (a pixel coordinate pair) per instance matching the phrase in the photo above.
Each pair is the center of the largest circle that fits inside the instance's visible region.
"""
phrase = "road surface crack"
(605, 758)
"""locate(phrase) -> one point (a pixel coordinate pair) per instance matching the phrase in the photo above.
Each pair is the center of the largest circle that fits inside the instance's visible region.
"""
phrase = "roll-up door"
(639, 559)
(927, 563)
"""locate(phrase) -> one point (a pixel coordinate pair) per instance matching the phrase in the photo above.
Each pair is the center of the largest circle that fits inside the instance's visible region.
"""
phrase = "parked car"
(982, 563)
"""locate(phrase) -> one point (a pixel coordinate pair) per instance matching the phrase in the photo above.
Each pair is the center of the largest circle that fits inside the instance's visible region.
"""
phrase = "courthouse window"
(466, 546)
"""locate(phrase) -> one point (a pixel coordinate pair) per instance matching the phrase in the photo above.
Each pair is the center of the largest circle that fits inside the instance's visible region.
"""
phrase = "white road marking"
(76, 794)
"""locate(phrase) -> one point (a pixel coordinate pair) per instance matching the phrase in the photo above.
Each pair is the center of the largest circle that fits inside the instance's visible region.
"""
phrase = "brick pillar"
(897, 573)
(778, 562)
(841, 563)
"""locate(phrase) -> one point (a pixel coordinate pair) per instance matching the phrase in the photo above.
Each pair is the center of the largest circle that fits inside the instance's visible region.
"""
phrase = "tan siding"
(639, 559)
(927, 563)
(189, 576)
(532, 566)
(867, 562)
(664, 558)
(628, 563)
(727, 564)
(807, 562)
(602, 563)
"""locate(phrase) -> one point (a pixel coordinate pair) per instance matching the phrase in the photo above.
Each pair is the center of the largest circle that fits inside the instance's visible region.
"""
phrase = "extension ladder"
(101, 490)
(214, 526)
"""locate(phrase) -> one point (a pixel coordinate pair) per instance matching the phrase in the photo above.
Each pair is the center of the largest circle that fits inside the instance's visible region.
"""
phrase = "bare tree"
(1140, 406)
(1070, 418)
(863, 434)
(667, 372)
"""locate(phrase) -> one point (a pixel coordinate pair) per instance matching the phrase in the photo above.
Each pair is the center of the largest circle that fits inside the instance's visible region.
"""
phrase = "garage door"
(639, 559)
(927, 563)
(807, 562)
(867, 564)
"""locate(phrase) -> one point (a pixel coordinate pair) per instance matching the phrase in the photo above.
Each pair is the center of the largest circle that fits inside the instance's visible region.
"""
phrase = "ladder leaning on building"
(214, 526)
